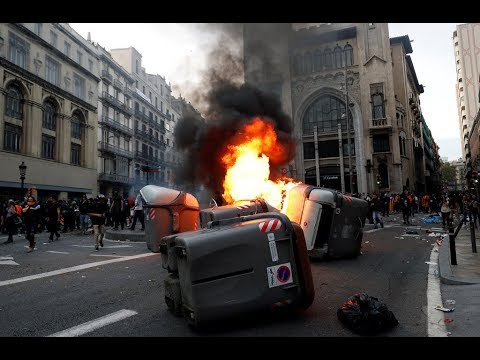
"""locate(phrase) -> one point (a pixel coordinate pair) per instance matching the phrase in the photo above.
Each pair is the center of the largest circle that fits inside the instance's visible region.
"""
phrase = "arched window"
(325, 113)
(348, 51)
(14, 102)
(317, 61)
(77, 126)
(378, 105)
(338, 57)
(49, 116)
(328, 58)
(308, 63)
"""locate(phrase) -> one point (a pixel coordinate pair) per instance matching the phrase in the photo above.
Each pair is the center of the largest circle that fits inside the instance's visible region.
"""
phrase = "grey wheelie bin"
(238, 266)
(167, 212)
(332, 222)
(239, 208)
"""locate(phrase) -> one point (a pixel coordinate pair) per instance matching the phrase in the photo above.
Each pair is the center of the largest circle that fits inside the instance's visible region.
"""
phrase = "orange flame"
(248, 168)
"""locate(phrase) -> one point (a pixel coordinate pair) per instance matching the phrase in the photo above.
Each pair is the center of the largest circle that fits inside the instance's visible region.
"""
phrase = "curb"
(445, 268)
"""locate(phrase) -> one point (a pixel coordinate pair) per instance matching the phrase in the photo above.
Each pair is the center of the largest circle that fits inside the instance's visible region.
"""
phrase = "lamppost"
(23, 169)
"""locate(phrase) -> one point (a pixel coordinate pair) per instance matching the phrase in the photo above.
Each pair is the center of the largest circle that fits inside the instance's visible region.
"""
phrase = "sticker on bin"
(152, 213)
(270, 225)
(279, 275)
(273, 250)
(347, 198)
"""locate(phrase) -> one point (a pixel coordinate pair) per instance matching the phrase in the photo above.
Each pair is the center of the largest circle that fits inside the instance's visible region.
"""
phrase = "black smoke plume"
(228, 104)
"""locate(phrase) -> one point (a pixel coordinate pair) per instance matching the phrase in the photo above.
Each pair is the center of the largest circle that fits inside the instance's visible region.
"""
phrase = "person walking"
(52, 213)
(30, 219)
(376, 208)
(10, 224)
(138, 212)
(84, 218)
(98, 216)
(116, 210)
(445, 210)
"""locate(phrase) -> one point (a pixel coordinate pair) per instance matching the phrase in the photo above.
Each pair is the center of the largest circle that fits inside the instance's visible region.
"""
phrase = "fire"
(247, 161)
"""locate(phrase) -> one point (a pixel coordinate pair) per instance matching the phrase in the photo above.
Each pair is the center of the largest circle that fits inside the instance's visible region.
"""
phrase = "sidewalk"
(467, 270)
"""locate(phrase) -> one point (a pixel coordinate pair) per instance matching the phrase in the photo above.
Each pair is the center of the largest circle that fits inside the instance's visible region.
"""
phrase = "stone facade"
(48, 107)
(154, 120)
(385, 120)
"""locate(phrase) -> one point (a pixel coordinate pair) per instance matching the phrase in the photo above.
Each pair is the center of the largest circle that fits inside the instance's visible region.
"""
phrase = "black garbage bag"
(366, 315)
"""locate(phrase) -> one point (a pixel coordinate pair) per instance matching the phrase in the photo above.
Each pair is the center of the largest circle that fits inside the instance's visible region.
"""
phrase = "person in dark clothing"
(10, 225)
(30, 219)
(405, 208)
(84, 218)
(98, 215)
(52, 213)
(116, 211)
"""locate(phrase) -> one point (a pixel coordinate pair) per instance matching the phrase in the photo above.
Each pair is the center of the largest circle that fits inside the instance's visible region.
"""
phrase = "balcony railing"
(150, 158)
(115, 102)
(379, 122)
(114, 149)
(116, 125)
(106, 76)
(118, 84)
(127, 91)
(116, 178)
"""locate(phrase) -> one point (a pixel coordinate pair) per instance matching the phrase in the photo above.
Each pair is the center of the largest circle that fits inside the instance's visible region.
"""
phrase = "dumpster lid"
(157, 195)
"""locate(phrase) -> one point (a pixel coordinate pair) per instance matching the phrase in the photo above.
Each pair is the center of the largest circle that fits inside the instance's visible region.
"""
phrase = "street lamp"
(23, 169)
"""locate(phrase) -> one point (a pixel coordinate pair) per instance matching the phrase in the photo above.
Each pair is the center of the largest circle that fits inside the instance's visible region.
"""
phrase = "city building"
(155, 157)
(459, 182)
(115, 133)
(48, 102)
(316, 69)
(467, 63)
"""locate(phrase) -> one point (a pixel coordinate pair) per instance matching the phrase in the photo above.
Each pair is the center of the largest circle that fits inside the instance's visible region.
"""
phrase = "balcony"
(145, 156)
(117, 103)
(123, 179)
(159, 127)
(103, 146)
(118, 84)
(116, 125)
(106, 76)
(127, 91)
(379, 122)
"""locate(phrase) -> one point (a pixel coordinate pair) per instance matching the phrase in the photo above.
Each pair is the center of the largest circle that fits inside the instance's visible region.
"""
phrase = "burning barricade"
(249, 255)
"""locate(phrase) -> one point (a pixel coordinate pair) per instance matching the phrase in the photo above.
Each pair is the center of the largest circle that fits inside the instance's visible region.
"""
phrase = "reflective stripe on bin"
(152, 213)
(241, 207)
(347, 198)
(270, 225)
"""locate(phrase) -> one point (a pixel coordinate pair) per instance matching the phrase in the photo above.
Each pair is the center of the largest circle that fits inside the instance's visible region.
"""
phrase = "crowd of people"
(54, 216)
(450, 206)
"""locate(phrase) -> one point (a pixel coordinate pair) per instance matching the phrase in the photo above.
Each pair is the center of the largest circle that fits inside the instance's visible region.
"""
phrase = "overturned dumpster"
(239, 208)
(332, 222)
(237, 266)
(167, 212)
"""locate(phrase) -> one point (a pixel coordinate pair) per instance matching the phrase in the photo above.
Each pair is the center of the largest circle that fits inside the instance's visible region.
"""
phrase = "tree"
(448, 171)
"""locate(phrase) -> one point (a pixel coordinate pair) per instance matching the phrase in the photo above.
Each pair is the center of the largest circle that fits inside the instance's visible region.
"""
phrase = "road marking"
(118, 256)
(7, 260)
(435, 319)
(74, 268)
(95, 324)
(136, 242)
(110, 247)
(57, 252)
